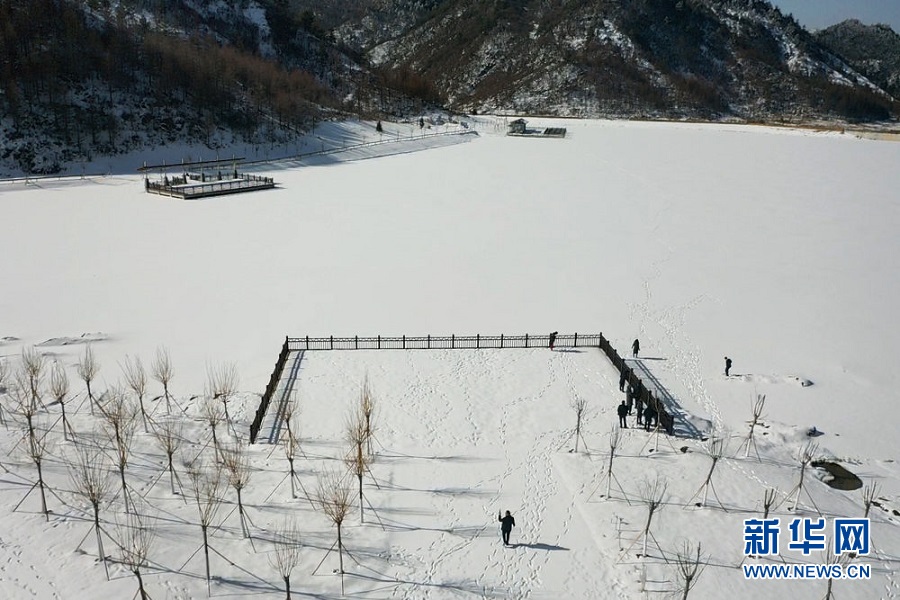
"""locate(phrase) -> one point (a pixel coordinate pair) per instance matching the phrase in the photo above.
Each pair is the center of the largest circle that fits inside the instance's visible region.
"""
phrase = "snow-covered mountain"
(105, 77)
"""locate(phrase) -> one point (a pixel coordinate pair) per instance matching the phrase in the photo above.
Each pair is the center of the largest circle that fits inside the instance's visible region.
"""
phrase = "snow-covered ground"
(774, 247)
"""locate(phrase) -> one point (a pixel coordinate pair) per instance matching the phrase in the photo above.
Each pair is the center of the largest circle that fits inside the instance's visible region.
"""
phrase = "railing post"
(501, 340)
(526, 340)
(477, 340)
(452, 340)
(404, 341)
(429, 341)
(379, 342)
(331, 342)
(356, 342)
(307, 342)
(576, 339)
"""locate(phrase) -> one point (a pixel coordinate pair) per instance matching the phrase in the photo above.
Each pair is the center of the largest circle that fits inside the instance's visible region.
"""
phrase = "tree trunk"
(293, 492)
(287, 587)
(244, 529)
(124, 488)
(43, 497)
(100, 539)
(361, 516)
(206, 552)
(143, 592)
(340, 549)
(171, 475)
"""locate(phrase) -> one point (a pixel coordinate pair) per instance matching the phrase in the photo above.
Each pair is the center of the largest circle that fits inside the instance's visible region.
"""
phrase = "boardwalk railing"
(270, 391)
(211, 187)
(642, 394)
(443, 342)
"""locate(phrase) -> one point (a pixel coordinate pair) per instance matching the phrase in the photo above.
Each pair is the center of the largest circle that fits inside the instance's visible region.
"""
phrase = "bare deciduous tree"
(750, 440)
(136, 537)
(652, 495)
(59, 388)
(88, 367)
(579, 405)
(4, 375)
(769, 501)
(237, 464)
(163, 372)
(357, 459)
(367, 408)
(213, 417)
(689, 564)
(90, 479)
(33, 364)
(334, 495)
(36, 450)
(207, 487)
(286, 555)
(136, 378)
(869, 493)
(169, 435)
(223, 382)
(715, 449)
(120, 420)
(804, 456)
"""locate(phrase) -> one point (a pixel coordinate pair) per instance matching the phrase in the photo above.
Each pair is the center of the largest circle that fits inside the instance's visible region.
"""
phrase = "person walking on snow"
(506, 525)
(727, 366)
(635, 347)
(639, 404)
(629, 399)
(623, 377)
(649, 416)
(553, 339)
(623, 412)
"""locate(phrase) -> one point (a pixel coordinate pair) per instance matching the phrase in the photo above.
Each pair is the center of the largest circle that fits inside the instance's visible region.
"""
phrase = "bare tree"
(120, 420)
(750, 440)
(213, 417)
(357, 459)
(136, 537)
(136, 378)
(615, 434)
(579, 405)
(286, 555)
(652, 495)
(33, 364)
(207, 487)
(869, 493)
(162, 372)
(4, 376)
(90, 479)
(59, 388)
(237, 464)
(223, 382)
(24, 405)
(334, 495)
(715, 449)
(769, 501)
(804, 456)
(88, 367)
(36, 450)
(690, 565)
(169, 435)
(367, 408)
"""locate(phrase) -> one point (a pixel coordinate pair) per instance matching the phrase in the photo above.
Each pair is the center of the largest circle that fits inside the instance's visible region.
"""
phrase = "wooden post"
(356, 342)
(331, 342)
(526, 340)
(429, 341)
(452, 340)
(477, 340)
(576, 339)
(501, 340)
(379, 342)
(404, 341)
(307, 342)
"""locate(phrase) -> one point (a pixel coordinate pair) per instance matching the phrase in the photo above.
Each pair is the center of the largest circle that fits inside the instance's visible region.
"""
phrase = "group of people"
(646, 416)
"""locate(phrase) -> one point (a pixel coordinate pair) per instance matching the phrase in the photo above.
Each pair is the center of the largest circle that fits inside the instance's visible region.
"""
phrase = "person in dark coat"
(629, 399)
(635, 347)
(727, 366)
(553, 339)
(506, 525)
(649, 416)
(623, 378)
(639, 405)
(623, 412)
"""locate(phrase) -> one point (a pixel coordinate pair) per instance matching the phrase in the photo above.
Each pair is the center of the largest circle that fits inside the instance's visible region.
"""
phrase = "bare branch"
(88, 367)
(286, 555)
(689, 565)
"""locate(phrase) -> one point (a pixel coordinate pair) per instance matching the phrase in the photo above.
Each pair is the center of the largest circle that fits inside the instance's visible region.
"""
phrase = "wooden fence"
(459, 342)
(270, 391)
